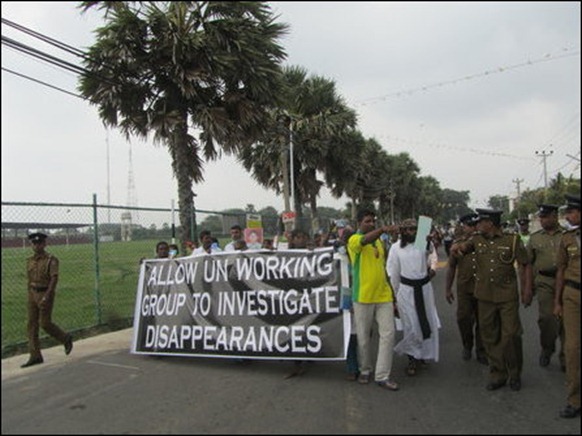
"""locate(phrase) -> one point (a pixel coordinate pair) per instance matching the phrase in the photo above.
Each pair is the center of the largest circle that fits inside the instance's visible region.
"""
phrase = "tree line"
(205, 78)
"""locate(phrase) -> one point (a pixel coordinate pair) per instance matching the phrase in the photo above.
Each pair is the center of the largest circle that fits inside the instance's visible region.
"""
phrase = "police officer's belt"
(39, 288)
(548, 273)
(572, 284)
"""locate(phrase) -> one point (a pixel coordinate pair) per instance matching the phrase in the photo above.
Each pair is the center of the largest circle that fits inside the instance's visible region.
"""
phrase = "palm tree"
(323, 120)
(347, 169)
(311, 118)
(167, 68)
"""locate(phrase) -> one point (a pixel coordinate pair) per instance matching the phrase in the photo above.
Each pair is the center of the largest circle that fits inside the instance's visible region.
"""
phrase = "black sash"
(419, 302)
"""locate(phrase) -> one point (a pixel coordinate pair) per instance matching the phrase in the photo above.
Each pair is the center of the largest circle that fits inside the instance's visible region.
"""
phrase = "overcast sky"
(470, 90)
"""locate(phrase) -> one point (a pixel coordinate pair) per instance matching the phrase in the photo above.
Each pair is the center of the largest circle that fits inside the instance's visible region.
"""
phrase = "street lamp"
(291, 165)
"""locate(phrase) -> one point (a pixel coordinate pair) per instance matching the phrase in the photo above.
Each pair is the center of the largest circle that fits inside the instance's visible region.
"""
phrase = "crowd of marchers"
(386, 284)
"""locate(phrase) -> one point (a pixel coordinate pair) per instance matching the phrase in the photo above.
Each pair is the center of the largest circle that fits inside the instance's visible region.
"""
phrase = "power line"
(69, 48)
(43, 83)
(548, 57)
(44, 56)
(452, 147)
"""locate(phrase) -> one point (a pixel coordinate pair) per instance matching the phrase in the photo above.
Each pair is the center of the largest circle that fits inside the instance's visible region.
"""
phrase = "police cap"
(546, 209)
(572, 201)
(37, 237)
(489, 214)
(522, 221)
(469, 219)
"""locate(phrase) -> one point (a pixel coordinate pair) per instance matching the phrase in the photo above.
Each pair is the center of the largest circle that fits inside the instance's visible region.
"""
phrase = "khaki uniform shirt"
(496, 278)
(40, 269)
(569, 255)
(466, 268)
(542, 250)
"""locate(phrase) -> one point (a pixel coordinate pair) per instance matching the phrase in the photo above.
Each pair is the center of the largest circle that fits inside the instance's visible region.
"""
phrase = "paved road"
(103, 389)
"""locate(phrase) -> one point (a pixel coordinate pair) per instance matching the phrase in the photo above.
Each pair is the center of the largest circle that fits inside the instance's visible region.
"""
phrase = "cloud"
(458, 130)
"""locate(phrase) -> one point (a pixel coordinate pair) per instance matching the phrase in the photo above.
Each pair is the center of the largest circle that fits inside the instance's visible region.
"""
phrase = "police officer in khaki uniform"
(467, 312)
(43, 273)
(496, 289)
(542, 249)
(567, 303)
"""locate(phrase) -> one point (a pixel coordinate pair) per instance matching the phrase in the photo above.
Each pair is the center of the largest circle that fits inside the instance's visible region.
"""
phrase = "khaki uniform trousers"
(467, 317)
(501, 333)
(571, 314)
(550, 327)
(41, 317)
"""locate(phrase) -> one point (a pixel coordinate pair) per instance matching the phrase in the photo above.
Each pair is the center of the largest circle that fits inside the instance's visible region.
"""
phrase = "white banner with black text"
(255, 304)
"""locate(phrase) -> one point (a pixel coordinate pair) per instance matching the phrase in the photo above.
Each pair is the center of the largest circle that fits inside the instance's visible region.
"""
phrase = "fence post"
(96, 251)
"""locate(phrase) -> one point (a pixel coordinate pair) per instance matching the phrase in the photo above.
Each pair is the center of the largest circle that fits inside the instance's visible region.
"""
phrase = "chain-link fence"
(99, 248)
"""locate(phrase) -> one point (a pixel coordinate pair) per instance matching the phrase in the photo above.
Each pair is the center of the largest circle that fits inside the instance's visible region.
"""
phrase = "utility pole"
(544, 154)
(291, 164)
(518, 182)
(391, 195)
(108, 179)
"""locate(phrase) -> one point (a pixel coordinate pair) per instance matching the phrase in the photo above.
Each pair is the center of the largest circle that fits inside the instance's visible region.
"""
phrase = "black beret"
(37, 237)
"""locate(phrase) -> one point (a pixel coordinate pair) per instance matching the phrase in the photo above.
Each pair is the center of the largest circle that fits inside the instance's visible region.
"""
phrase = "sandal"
(364, 379)
(352, 376)
(411, 368)
(389, 384)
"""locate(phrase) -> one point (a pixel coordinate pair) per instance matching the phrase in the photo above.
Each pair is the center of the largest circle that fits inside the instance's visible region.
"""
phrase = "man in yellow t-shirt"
(373, 299)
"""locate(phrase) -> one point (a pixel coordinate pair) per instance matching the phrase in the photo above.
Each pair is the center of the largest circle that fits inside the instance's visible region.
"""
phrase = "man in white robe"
(410, 271)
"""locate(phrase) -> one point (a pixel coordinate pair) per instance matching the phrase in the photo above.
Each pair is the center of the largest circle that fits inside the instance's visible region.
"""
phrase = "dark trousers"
(550, 328)
(468, 318)
(352, 357)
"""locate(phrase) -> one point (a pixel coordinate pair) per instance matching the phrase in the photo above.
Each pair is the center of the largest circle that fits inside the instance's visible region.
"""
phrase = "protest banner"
(288, 217)
(424, 226)
(260, 305)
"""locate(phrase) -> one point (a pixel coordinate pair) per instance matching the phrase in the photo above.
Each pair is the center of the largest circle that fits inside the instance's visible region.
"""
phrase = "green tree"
(166, 68)
(212, 223)
(500, 202)
(346, 171)
(454, 204)
(310, 119)
(404, 174)
(431, 195)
